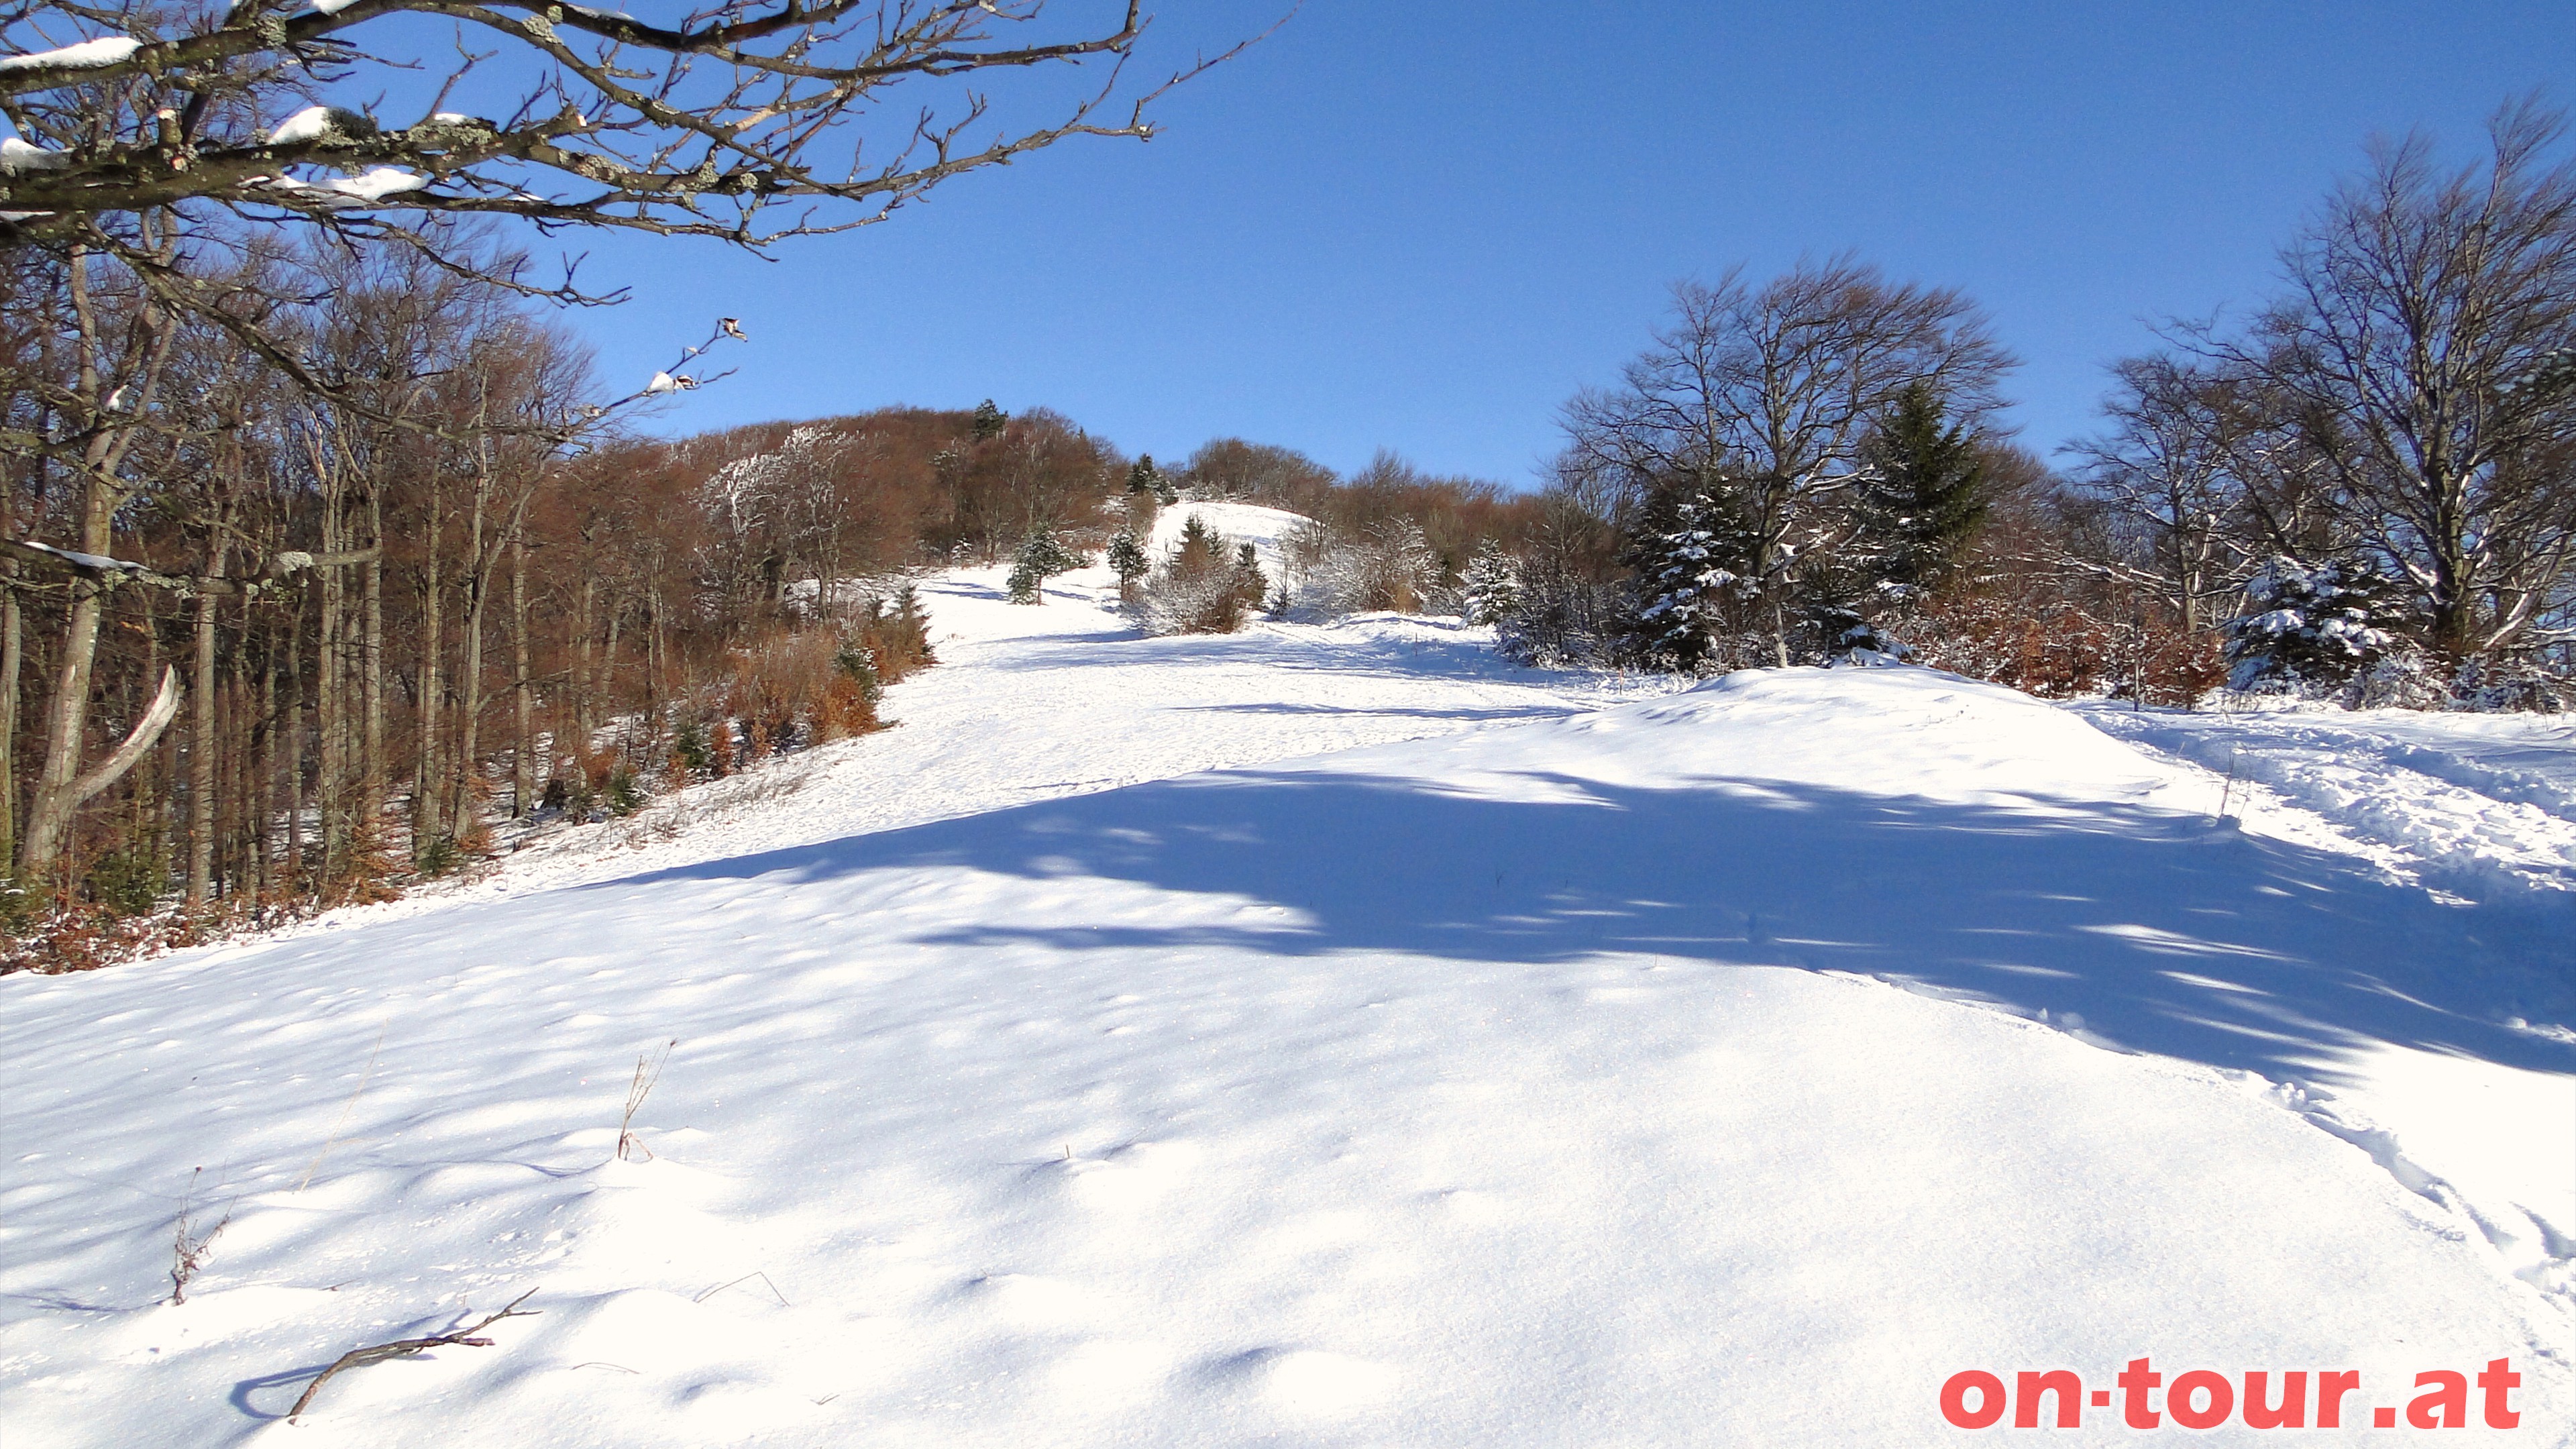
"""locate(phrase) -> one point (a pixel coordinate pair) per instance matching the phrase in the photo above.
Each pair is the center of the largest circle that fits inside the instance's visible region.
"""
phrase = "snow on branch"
(87, 55)
(747, 122)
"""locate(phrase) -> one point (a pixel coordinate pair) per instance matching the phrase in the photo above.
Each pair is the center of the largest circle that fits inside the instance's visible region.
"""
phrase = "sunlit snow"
(1327, 1034)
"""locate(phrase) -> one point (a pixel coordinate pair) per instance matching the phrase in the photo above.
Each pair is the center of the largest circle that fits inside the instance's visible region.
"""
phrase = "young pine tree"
(1198, 541)
(1690, 557)
(1041, 557)
(1491, 588)
(1203, 587)
(1921, 498)
(1247, 566)
(1127, 558)
(989, 420)
(2314, 628)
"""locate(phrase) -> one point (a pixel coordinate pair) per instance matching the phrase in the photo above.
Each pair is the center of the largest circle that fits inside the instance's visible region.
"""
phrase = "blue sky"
(1422, 226)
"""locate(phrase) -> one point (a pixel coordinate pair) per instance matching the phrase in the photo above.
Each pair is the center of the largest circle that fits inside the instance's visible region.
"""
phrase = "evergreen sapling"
(1491, 589)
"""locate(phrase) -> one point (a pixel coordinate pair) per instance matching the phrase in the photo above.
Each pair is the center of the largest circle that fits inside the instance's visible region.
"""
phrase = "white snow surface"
(1326, 1035)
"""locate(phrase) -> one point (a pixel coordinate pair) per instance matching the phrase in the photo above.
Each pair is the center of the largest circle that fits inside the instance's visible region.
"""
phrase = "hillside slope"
(1730, 1066)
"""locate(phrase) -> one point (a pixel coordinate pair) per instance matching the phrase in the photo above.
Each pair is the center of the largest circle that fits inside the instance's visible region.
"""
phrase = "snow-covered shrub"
(1388, 565)
(1560, 618)
(2489, 685)
(2330, 629)
(1206, 586)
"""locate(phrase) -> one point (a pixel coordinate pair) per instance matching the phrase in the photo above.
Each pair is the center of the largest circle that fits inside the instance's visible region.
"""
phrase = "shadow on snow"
(2160, 932)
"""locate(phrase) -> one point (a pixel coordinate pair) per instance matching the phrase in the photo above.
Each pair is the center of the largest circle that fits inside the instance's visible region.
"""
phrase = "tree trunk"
(12, 659)
(58, 792)
(295, 747)
(371, 666)
(584, 632)
(523, 800)
(263, 794)
(204, 749)
(477, 579)
(424, 788)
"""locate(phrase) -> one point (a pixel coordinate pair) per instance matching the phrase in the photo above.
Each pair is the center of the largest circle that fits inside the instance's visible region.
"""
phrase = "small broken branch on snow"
(738, 1282)
(465, 1337)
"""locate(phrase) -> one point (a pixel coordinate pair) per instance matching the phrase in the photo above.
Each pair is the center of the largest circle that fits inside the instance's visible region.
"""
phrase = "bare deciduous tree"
(2422, 349)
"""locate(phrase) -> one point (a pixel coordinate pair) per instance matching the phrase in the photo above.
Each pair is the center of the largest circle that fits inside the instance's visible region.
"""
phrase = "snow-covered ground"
(1322, 1036)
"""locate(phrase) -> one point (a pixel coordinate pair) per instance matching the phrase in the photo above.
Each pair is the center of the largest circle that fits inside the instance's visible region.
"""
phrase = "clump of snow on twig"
(321, 123)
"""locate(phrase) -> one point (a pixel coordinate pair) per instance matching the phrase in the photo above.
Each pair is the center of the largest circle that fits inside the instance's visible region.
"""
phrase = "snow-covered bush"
(1559, 618)
(1205, 586)
(2502, 684)
(1388, 565)
(2329, 629)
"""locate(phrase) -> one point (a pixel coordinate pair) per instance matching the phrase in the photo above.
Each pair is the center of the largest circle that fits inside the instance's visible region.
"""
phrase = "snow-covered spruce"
(2318, 629)
(1041, 557)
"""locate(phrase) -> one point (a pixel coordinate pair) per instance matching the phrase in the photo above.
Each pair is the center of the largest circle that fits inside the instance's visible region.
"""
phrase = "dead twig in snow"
(745, 1278)
(648, 1070)
(346, 1108)
(189, 1249)
(404, 1348)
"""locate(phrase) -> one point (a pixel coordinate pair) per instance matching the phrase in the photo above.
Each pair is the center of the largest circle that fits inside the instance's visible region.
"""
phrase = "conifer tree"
(1690, 556)
(1041, 557)
(989, 420)
(2315, 627)
(1921, 497)
(1491, 588)
(1247, 564)
(1127, 558)
(1144, 478)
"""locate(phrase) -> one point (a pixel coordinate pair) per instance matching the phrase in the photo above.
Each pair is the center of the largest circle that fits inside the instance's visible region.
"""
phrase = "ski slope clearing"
(1064, 699)
(1268, 530)
(1730, 1066)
